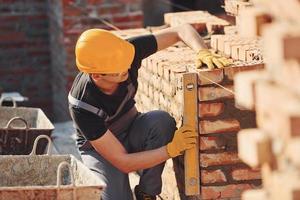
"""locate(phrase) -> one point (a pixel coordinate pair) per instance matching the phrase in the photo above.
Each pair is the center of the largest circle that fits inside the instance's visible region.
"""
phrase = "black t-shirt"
(90, 126)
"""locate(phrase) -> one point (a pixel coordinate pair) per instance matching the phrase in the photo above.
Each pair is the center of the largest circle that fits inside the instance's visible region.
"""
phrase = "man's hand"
(211, 60)
(183, 139)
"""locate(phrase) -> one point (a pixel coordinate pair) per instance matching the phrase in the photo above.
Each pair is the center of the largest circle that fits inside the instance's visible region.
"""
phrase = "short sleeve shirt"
(90, 126)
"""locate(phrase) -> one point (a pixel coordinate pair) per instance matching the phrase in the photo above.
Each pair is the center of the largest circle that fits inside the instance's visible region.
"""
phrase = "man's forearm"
(145, 159)
(191, 37)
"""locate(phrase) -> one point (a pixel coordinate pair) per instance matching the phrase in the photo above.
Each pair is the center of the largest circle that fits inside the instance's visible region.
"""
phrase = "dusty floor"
(64, 143)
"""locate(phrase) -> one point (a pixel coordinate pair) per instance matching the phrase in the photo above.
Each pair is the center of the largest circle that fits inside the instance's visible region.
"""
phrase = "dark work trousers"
(148, 131)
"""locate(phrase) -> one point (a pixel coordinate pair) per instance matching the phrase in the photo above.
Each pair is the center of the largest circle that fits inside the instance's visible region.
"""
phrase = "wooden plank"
(190, 118)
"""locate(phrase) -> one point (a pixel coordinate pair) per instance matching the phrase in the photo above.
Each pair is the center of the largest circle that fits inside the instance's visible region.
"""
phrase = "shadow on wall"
(154, 9)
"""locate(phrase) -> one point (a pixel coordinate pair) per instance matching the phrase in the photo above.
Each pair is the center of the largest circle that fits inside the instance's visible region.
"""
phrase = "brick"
(259, 194)
(211, 143)
(244, 87)
(292, 147)
(254, 147)
(216, 159)
(215, 93)
(280, 44)
(290, 190)
(222, 41)
(206, 77)
(235, 51)
(210, 109)
(212, 176)
(282, 122)
(214, 41)
(224, 192)
(201, 20)
(219, 126)
(168, 88)
(221, 142)
(243, 51)
(230, 30)
(179, 96)
(254, 54)
(228, 46)
(245, 174)
(234, 7)
(230, 72)
(287, 76)
(252, 21)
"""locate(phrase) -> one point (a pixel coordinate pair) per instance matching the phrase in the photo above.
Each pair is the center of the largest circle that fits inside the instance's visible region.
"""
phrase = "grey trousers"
(148, 131)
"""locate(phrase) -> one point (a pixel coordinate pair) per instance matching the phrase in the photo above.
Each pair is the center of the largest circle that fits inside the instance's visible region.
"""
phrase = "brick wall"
(223, 174)
(69, 18)
(24, 51)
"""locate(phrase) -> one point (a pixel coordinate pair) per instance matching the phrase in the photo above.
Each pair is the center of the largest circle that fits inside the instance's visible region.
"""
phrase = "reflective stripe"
(75, 102)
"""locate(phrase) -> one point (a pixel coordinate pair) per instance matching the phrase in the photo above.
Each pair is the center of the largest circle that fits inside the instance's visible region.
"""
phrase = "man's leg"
(150, 131)
(117, 183)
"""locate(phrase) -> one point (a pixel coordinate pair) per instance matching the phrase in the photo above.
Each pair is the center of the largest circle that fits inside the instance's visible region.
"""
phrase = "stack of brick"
(234, 7)
(201, 20)
(241, 42)
(238, 48)
(68, 19)
(273, 146)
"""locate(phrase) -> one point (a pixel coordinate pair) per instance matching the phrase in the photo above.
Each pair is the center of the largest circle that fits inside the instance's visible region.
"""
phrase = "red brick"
(245, 174)
(215, 93)
(219, 126)
(210, 109)
(224, 192)
(206, 77)
(111, 9)
(212, 176)
(128, 17)
(230, 72)
(212, 143)
(214, 159)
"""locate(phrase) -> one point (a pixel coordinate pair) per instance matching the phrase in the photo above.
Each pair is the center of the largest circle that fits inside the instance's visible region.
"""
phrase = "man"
(113, 137)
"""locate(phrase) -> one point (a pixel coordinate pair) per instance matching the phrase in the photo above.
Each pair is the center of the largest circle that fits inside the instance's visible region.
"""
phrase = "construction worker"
(113, 137)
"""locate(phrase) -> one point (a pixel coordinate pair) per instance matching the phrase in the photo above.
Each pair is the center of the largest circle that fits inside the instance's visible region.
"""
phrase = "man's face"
(115, 77)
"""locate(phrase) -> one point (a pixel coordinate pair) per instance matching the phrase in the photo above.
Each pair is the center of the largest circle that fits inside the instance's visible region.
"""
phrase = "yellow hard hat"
(100, 51)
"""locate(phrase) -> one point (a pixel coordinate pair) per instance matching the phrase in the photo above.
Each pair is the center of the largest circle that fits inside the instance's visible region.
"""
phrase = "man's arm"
(112, 150)
(186, 33)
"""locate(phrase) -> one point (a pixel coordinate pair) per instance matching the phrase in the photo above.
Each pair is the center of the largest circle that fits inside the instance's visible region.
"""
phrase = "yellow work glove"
(183, 139)
(211, 60)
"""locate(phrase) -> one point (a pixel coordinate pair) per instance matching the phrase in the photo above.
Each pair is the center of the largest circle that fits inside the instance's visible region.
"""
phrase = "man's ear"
(96, 77)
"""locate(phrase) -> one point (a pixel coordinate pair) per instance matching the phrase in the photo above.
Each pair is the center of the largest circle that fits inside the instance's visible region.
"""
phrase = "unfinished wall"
(67, 20)
(24, 51)
(222, 174)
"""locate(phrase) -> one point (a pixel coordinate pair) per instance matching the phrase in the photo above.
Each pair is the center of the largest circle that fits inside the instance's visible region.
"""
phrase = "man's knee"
(165, 124)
